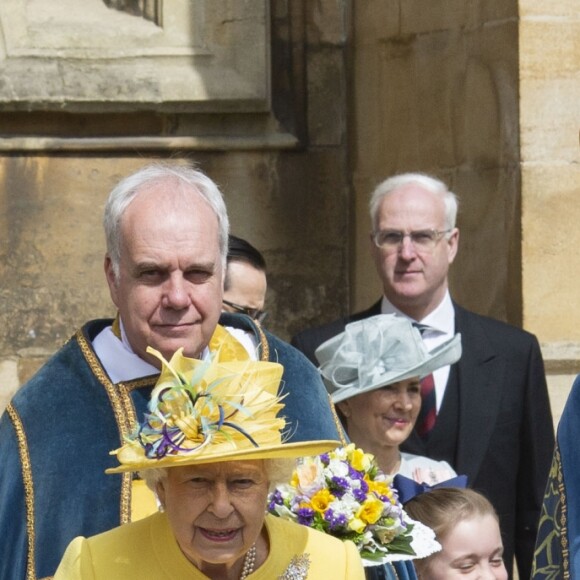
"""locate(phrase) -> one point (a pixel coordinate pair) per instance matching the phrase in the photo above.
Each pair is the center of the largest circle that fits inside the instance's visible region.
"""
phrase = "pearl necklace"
(249, 562)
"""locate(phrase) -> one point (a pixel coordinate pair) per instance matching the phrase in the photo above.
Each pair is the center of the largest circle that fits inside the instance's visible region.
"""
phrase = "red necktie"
(428, 412)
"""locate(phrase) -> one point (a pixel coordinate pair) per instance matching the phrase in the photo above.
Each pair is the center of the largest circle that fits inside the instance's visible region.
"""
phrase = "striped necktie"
(428, 412)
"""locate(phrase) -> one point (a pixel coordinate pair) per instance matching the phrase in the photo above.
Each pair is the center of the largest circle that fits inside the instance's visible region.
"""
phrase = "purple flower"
(339, 486)
(335, 521)
(325, 459)
(305, 516)
(354, 473)
(359, 494)
(275, 499)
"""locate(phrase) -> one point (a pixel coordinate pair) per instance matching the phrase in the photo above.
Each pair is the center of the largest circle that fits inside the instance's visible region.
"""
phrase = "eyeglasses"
(254, 313)
(422, 240)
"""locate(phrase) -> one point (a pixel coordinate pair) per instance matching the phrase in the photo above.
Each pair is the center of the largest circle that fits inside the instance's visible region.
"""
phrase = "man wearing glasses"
(492, 412)
(245, 282)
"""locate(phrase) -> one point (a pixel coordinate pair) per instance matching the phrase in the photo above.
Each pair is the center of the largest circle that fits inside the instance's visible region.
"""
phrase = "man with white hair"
(488, 415)
(167, 234)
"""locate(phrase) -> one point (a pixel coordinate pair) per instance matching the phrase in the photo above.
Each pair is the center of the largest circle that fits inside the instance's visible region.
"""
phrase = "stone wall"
(550, 125)
(436, 90)
(288, 195)
(550, 153)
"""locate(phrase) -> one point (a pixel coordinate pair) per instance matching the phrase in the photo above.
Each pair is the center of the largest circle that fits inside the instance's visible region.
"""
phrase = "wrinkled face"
(384, 417)
(473, 549)
(246, 286)
(216, 511)
(415, 281)
(169, 288)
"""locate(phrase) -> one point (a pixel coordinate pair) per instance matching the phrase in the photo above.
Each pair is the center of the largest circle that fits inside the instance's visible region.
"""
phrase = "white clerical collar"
(441, 319)
(118, 359)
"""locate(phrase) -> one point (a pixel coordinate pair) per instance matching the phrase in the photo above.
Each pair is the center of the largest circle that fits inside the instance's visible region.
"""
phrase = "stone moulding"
(561, 357)
(86, 57)
(266, 141)
(85, 60)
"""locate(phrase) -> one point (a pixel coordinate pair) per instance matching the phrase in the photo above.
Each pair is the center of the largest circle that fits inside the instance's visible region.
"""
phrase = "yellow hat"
(211, 411)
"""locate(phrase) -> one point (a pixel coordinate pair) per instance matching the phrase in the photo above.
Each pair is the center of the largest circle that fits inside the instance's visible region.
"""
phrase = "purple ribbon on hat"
(407, 488)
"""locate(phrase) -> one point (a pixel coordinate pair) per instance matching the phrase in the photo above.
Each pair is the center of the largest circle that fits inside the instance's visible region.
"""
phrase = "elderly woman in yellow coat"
(211, 448)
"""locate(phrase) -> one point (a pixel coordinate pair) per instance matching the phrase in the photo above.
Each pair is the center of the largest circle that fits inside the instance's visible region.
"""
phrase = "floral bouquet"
(343, 493)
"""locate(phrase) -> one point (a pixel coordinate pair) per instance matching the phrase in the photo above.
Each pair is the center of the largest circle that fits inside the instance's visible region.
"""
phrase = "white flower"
(340, 453)
(344, 507)
(284, 512)
(367, 537)
(286, 491)
(336, 468)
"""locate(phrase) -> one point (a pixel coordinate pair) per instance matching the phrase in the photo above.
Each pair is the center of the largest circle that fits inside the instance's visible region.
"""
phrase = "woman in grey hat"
(372, 371)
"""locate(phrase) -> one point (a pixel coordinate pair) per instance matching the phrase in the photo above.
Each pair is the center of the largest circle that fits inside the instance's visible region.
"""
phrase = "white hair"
(431, 184)
(277, 471)
(126, 190)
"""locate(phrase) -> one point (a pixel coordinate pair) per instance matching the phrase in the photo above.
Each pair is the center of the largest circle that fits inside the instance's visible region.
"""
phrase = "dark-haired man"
(245, 283)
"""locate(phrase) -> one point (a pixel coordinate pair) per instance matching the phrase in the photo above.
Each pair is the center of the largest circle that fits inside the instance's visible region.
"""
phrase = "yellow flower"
(360, 460)
(370, 511)
(294, 482)
(357, 525)
(379, 487)
(321, 500)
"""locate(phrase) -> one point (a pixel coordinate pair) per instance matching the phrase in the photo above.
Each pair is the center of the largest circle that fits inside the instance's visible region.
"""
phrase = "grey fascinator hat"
(378, 351)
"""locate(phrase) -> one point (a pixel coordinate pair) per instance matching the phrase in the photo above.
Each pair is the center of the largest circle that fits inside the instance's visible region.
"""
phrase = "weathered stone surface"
(486, 268)
(549, 131)
(566, 11)
(559, 386)
(326, 113)
(375, 20)
(29, 361)
(550, 114)
(440, 95)
(550, 217)
(327, 22)
(417, 18)
(9, 382)
(51, 236)
(438, 15)
(76, 56)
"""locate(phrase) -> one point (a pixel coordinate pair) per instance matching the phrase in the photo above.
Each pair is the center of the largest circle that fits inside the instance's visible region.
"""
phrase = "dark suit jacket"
(506, 437)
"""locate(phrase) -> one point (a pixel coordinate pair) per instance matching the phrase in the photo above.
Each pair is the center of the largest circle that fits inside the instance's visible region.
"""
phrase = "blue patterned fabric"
(557, 553)
(56, 435)
(396, 571)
